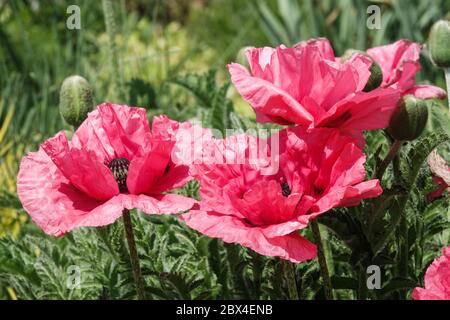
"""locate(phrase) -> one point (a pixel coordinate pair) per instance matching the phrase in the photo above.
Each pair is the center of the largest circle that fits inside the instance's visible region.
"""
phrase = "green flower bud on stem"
(376, 75)
(75, 100)
(439, 42)
(241, 58)
(409, 119)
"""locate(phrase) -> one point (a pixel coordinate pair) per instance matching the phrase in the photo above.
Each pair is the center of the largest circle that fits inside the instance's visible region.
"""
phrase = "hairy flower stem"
(111, 30)
(387, 160)
(289, 275)
(328, 288)
(404, 248)
(403, 230)
(361, 293)
(135, 265)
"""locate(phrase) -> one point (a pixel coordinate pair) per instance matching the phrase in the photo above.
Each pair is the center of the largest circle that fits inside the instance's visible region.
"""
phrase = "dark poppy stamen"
(339, 120)
(318, 190)
(285, 190)
(119, 169)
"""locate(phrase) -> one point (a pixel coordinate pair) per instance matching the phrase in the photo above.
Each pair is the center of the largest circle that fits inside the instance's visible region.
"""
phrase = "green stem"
(419, 245)
(289, 275)
(134, 258)
(362, 283)
(403, 229)
(387, 160)
(447, 80)
(111, 30)
(403, 246)
(404, 250)
(328, 288)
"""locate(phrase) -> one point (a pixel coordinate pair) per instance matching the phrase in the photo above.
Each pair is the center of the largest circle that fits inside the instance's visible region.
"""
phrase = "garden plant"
(263, 150)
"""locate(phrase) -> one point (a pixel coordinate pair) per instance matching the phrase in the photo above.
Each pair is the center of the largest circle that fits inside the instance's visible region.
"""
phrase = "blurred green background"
(152, 52)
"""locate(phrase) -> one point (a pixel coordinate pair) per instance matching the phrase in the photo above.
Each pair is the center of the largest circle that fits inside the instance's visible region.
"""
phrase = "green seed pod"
(439, 42)
(75, 100)
(241, 57)
(376, 75)
(409, 119)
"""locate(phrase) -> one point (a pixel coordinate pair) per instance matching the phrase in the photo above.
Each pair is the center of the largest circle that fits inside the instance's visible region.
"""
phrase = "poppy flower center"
(285, 190)
(339, 121)
(119, 168)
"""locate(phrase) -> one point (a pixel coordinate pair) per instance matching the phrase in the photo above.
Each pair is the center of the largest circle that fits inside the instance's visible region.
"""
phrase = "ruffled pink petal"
(337, 81)
(322, 44)
(217, 198)
(83, 168)
(406, 75)
(227, 170)
(53, 203)
(175, 176)
(280, 68)
(231, 229)
(239, 156)
(393, 57)
(337, 159)
(347, 196)
(299, 222)
(437, 280)
(298, 85)
(111, 210)
(114, 131)
(176, 147)
(363, 111)
(284, 228)
(348, 168)
(364, 190)
(423, 294)
(264, 204)
(266, 98)
(164, 128)
(57, 207)
(360, 66)
(325, 79)
(162, 203)
(427, 92)
(313, 153)
(145, 170)
(192, 141)
(437, 193)
(258, 59)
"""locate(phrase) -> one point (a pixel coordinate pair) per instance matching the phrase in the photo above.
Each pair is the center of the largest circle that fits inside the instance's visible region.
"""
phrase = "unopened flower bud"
(409, 119)
(241, 58)
(439, 42)
(376, 75)
(75, 100)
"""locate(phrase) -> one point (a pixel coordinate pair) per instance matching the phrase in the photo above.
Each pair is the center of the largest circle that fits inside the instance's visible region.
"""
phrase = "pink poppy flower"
(437, 280)
(113, 162)
(441, 175)
(399, 62)
(309, 86)
(241, 203)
